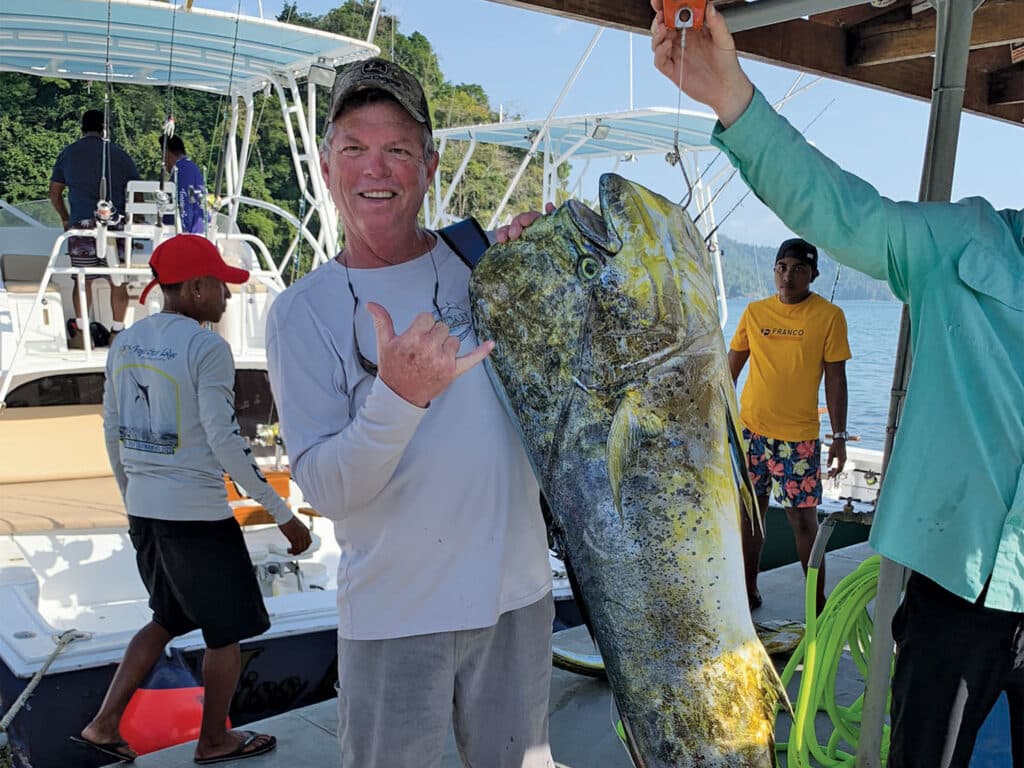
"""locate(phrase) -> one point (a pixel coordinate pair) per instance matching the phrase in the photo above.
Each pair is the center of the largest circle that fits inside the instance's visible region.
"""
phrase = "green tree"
(39, 116)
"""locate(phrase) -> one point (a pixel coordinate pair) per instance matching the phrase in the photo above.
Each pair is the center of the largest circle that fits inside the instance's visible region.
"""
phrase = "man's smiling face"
(376, 170)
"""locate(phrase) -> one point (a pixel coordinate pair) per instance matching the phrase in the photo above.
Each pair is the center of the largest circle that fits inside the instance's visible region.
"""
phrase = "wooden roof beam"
(1006, 86)
(824, 48)
(859, 14)
(628, 15)
(817, 49)
(996, 22)
(636, 15)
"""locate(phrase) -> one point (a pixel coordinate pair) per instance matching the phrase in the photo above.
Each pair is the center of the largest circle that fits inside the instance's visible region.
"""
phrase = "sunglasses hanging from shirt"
(467, 240)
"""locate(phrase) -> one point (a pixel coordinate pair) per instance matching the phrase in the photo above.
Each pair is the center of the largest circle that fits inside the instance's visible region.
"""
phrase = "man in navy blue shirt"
(189, 183)
(78, 169)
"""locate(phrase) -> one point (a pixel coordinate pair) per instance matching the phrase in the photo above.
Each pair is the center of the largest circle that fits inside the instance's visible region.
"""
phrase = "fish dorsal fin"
(738, 452)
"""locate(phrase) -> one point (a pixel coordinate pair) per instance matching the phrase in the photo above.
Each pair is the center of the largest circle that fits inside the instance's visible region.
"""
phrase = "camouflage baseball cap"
(381, 74)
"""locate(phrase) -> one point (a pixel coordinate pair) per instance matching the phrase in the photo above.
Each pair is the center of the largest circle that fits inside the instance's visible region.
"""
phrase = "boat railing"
(302, 232)
(269, 276)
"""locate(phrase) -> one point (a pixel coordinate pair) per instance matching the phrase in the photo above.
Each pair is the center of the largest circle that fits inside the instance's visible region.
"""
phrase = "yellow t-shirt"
(789, 345)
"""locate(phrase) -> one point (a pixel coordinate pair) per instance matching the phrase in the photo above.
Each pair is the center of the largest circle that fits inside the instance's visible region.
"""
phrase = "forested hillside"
(747, 270)
(39, 116)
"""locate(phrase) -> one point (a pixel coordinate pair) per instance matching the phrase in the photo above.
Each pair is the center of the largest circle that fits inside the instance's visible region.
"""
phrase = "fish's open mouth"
(593, 226)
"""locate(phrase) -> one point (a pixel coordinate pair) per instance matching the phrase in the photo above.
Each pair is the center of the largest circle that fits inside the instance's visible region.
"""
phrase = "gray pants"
(397, 697)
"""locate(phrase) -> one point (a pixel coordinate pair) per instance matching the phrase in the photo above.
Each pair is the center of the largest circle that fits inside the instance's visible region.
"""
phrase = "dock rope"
(845, 622)
(63, 640)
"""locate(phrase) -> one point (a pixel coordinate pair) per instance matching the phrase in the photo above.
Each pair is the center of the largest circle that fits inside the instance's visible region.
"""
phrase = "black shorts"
(82, 248)
(954, 659)
(199, 576)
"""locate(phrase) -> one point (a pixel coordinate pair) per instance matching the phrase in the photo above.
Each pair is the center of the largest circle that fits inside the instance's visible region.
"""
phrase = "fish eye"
(588, 268)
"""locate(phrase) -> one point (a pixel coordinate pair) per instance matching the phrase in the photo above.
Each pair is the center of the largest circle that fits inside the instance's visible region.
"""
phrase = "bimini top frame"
(157, 43)
(609, 135)
(149, 43)
(146, 42)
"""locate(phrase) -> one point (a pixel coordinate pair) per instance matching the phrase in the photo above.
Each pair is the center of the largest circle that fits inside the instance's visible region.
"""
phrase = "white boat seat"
(22, 272)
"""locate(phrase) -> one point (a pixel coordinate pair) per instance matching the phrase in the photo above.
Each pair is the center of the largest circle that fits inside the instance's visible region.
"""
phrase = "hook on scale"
(682, 15)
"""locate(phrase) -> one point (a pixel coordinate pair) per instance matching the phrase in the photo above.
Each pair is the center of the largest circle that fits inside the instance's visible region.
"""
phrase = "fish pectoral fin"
(631, 423)
(738, 452)
(663, 278)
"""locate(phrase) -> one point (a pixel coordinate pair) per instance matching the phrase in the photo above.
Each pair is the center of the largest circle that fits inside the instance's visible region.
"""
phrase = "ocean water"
(873, 330)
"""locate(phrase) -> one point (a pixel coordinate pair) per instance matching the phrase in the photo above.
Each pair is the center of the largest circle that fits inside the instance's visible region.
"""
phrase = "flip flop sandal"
(240, 753)
(114, 749)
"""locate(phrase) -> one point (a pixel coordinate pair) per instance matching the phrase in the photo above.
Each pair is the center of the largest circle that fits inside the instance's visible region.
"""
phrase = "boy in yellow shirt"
(791, 339)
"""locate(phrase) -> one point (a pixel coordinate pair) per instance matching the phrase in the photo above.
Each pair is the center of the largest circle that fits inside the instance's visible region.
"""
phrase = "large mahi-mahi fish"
(612, 363)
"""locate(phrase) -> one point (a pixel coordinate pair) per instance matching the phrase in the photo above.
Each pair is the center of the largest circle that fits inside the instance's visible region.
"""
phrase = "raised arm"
(833, 209)
(712, 72)
(340, 462)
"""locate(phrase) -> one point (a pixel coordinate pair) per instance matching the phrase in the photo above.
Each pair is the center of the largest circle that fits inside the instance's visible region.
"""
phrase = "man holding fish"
(960, 528)
(395, 433)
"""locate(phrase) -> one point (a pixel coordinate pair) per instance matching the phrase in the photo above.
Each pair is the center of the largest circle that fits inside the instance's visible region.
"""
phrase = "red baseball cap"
(186, 257)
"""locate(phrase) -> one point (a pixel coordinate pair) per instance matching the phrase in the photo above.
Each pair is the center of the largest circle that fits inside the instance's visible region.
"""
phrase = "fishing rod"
(230, 99)
(807, 127)
(791, 94)
(103, 205)
(835, 283)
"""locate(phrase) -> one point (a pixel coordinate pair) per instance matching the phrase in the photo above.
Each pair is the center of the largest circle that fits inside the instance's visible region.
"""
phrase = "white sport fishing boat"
(70, 595)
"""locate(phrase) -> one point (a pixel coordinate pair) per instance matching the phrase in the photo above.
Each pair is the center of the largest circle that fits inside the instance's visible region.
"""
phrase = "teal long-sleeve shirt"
(952, 505)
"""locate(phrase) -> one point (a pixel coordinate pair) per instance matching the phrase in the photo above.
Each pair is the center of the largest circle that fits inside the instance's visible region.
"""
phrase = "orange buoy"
(167, 709)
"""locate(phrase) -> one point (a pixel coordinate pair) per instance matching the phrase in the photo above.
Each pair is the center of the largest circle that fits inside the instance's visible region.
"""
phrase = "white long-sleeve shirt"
(170, 426)
(436, 510)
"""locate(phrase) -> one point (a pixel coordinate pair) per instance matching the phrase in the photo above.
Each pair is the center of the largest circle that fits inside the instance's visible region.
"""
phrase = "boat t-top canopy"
(605, 135)
(155, 43)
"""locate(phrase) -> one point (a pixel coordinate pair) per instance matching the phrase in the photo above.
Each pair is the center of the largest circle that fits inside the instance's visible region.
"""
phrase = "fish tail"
(777, 688)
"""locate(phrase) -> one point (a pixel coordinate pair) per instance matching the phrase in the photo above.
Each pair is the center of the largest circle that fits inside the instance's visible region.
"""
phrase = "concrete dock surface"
(582, 735)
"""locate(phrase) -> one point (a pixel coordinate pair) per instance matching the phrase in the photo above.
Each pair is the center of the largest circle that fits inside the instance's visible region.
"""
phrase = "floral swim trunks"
(794, 466)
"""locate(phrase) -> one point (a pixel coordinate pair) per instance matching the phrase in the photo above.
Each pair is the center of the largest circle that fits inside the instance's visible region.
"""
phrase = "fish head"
(591, 301)
(655, 291)
(527, 295)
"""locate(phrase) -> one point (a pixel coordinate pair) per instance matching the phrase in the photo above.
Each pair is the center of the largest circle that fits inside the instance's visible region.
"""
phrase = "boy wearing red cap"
(169, 420)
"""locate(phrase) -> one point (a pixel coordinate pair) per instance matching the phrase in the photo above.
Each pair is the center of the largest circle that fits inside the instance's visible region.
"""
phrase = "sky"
(523, 59)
